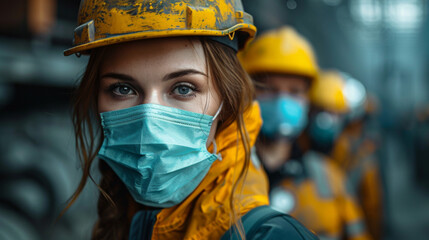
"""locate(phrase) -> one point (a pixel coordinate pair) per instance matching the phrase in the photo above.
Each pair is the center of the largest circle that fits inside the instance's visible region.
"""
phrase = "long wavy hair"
(115, 205)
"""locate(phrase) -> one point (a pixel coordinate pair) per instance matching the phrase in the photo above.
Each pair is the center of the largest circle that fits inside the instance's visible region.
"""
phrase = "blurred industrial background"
(383, 43)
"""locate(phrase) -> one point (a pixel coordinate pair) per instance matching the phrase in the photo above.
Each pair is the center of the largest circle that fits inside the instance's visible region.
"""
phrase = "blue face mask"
(283, 116)
(324, 129)
(158, 152)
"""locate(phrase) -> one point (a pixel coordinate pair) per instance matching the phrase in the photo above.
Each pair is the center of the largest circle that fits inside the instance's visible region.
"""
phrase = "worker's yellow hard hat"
(328, 92)
(281, 51)
(103, 22)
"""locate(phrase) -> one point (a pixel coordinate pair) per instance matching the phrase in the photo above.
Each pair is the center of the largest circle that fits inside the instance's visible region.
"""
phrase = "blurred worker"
(328, 111)
(354, 152)
(283, 67)
(330, 104)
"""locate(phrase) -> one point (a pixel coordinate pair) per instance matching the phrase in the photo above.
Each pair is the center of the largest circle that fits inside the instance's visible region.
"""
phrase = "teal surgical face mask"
(158, 152)
(284, 116)
(324, 129)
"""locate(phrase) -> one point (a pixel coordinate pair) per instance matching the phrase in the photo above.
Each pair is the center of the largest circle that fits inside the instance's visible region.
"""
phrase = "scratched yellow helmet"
(102, 22)
(328, 92)
(281, 51)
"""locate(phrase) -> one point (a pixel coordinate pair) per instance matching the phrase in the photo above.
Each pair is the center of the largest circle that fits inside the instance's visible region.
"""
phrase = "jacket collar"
(206, 213)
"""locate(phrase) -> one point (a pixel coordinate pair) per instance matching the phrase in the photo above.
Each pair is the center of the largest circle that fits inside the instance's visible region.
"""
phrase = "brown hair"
(231, 81)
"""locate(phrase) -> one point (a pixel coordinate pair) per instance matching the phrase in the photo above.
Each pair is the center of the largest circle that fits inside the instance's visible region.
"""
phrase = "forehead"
(155, 55)
(283, 82)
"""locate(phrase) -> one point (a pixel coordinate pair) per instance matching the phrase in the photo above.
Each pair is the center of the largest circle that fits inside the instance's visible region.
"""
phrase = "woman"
(176, 121)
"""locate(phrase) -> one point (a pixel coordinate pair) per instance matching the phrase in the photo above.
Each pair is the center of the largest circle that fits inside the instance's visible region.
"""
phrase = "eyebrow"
(119, 76)
(177, 74)
(182, 73)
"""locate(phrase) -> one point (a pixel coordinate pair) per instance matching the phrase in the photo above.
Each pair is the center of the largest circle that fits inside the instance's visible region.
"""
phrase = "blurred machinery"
(33, 34)
(38, 166)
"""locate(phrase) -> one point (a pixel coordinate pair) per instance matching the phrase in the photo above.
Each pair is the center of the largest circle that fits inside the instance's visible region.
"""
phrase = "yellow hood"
(206, 213)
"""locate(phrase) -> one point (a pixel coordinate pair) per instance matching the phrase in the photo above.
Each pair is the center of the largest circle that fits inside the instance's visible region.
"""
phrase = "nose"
(153, 96)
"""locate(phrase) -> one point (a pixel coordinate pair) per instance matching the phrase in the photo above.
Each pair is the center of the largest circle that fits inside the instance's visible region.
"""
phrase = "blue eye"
(183, 90)
(122, 89)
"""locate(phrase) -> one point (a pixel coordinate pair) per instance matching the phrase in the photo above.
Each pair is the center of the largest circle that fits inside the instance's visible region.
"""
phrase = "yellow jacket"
(206, 213)
(355, 155)
(314, 194)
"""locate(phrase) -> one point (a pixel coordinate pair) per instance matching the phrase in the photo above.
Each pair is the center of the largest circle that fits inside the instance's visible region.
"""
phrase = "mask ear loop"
(218, 155)
(218, 111)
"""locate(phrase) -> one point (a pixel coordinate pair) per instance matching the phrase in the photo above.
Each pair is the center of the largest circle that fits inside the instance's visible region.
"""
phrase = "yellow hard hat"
(328, 92)
(103, 23)
(281, 51)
